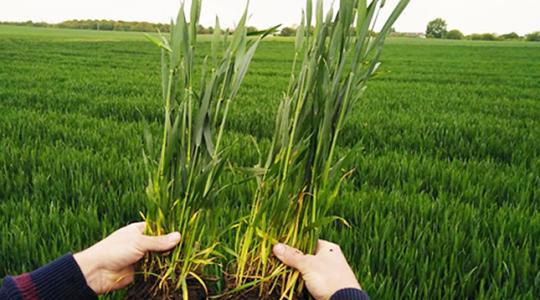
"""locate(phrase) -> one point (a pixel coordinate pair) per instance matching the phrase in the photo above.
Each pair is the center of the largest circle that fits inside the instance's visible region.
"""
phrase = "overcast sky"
(496, 16)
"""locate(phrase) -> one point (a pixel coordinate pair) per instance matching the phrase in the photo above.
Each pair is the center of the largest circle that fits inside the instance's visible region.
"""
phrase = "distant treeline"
(106, 25)
(437, 29)
(110, 25)
(457, 35)
(291, 31)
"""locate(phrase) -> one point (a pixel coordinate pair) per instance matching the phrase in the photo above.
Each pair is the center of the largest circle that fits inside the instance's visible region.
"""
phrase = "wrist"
(350, 294)
(90, 269)
(347, 285)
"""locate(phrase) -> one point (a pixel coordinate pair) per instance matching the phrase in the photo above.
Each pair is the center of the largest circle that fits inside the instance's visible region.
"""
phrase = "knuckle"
(132, 225)
(296, 252)
(304, 262)
(138, 239)
(334, 246)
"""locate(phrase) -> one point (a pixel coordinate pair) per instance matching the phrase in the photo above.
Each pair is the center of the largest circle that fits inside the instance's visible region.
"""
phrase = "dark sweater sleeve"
(350, 294)
(61, 279)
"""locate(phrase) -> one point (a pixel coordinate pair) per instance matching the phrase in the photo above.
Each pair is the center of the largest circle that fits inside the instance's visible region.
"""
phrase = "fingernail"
(279, 249)
(174, 237)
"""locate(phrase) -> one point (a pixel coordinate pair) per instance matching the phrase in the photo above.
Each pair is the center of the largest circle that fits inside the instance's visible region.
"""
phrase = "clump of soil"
(149, 290)
(254, 295)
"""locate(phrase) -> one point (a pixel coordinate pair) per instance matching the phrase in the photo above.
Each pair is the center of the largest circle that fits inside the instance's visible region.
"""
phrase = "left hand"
(110, 264)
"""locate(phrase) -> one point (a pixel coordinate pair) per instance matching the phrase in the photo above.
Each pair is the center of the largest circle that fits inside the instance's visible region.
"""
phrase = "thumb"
(290, 256)
(160, 243)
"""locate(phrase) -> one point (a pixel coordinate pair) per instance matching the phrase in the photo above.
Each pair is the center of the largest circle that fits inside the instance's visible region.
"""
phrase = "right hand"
(110, 264)
(324, 273)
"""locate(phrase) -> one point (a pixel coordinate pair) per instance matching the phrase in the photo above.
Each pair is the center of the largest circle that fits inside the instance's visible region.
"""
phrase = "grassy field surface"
(444, 202)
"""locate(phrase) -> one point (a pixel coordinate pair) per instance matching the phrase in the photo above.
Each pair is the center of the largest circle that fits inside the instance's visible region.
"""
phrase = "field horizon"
(100, 35)
(444, 200)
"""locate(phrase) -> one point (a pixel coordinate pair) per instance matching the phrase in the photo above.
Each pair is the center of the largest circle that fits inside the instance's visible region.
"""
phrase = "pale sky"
(470, 16)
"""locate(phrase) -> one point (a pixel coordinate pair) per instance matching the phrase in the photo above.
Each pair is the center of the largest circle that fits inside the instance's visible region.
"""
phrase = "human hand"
(109, 265)
(324, 273)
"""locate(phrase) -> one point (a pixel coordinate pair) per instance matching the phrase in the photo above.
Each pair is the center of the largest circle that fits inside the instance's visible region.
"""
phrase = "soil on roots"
(253, 295)
(148, 290)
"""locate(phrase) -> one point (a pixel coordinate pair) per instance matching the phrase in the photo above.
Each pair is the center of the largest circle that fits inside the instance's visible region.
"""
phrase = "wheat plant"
(184, 175)
(299, 181)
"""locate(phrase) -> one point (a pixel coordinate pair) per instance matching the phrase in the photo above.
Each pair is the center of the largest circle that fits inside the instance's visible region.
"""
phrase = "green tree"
(202, 30)
(534, 37)
(484, 37)
(106, 25)
(436, 29)
(455, 35)
(511, 36)
(288, 31)
(251, 29)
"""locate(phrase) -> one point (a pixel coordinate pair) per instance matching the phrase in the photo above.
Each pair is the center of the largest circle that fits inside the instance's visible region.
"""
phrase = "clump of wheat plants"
(184, 175)
(300, 179)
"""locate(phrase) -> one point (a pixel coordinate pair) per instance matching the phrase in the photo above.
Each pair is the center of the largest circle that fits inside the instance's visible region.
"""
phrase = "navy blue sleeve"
(350, 294)
(61, 279)
(9, 290)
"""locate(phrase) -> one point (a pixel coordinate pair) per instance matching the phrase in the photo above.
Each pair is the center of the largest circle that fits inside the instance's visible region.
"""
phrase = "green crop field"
(444, 201)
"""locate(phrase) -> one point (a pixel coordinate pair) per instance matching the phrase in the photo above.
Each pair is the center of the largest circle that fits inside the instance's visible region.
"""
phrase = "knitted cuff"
(9, 290)
(61, 279)
(350, 294)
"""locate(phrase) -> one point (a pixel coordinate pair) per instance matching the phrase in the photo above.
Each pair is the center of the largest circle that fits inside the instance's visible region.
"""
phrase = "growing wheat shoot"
(302, 176)
(184, 175)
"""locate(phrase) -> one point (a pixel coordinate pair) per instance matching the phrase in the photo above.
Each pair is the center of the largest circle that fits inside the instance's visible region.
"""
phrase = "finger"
(160, 243)
(326, 246)
(290, 256)
(141, 226)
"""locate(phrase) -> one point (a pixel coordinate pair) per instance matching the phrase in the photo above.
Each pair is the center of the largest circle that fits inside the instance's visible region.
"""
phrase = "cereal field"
(444, 201)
